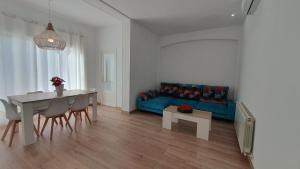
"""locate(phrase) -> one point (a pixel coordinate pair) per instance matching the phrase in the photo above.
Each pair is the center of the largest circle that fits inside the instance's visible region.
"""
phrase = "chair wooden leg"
(87, 116)
(61, 122)
(70, 114)
(76, 118)
(17, 128)
(39, 123)
(52, 123)
(80, 114)
(6, 130)
(55, 121)
(45, 123)
(67, 123)
(12, 133)
(36, 131)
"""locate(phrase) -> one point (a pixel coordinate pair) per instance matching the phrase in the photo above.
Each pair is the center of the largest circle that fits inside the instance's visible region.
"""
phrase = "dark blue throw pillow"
(207, 92)
(173, 90)
(180, 93)
(153, 93)
(220, 93)
(143, 96)
(164, 90)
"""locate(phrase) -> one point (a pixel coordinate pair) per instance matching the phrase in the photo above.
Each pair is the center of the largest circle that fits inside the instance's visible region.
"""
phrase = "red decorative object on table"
(57, 81)
(185, 109)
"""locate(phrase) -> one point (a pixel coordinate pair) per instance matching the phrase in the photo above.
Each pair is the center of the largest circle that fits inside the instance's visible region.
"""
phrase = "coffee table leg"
(167, 120)
(174, 120)
(203, 127)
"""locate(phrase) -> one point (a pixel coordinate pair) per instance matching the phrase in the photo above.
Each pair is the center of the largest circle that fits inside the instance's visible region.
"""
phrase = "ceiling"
(176, 16)
(74, 10)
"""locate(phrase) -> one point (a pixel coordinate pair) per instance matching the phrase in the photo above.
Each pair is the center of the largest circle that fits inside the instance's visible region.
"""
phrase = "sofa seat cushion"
(179, 102)
(212, 107)
(158, 103)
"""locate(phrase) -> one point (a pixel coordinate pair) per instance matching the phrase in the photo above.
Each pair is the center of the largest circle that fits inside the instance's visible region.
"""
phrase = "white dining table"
(30, 102)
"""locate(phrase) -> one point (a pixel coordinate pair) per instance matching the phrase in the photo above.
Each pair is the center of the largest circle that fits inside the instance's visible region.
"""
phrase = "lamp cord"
(49, 4)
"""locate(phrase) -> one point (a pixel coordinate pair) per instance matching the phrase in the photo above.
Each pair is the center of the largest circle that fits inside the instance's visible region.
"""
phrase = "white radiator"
(244, 125)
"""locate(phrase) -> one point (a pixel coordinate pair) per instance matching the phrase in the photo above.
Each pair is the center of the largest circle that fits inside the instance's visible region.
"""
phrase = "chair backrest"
(57, 106)
(10, 111)
(35, 92)
(91, 99)
(81, 102)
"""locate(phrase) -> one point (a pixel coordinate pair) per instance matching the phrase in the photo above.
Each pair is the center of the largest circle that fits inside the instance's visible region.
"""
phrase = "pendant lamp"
(49, 39)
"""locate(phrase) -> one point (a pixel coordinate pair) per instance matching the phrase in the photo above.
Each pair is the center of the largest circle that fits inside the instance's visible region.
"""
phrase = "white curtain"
(24, 67)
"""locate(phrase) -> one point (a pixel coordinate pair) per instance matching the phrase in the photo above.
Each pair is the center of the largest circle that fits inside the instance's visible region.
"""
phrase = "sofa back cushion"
(164, 88)
(194, 92)
(208, 92)
(169, 89)
(216, 94)
(153, 93)
(148, 95)
(220, 93)
(143, 96)
(187, 91)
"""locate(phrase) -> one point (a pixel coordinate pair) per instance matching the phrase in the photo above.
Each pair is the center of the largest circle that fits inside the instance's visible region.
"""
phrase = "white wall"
(110, 39)
(269, 84)
(144, 54)
(202, 57)
(125, 48)
(232, 33)
(126, 37)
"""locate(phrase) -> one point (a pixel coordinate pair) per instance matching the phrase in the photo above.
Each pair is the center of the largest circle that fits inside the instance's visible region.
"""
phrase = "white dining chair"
(14, 118)
(80, 105)
(56, 109)
(38, 110)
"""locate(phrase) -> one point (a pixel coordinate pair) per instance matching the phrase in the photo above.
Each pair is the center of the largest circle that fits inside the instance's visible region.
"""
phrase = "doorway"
(109, 96)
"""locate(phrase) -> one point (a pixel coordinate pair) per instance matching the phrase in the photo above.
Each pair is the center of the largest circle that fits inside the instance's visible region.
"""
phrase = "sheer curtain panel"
(24, 67)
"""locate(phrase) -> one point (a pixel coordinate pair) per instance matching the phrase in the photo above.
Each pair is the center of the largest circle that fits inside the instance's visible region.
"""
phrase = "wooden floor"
(121, 141)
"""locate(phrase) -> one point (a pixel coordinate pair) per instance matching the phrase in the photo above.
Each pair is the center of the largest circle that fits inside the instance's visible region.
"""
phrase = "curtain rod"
(31, 21)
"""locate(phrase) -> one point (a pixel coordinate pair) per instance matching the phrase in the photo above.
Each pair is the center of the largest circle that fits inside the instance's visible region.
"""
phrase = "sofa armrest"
(138, 101)
(231, 108)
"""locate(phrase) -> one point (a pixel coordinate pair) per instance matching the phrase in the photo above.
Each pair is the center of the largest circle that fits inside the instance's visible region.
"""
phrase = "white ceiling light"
(233, 14)
(49, 39)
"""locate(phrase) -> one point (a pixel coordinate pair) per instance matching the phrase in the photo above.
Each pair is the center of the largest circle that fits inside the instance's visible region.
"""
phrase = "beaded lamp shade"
(49, 39)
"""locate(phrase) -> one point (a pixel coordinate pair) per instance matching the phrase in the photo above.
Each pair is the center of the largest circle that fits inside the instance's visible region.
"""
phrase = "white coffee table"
(202, 118)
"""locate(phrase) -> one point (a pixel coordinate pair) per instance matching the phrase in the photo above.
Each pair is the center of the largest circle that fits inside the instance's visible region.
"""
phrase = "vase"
(59, 90)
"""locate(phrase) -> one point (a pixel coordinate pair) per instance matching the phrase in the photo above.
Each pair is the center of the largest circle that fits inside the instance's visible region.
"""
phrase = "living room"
(230, 67)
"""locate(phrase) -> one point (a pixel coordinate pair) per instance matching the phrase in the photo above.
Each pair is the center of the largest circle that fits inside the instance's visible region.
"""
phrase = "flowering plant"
(57, 81)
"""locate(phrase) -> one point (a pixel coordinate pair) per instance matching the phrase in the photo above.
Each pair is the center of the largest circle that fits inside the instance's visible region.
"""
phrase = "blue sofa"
(178, 94)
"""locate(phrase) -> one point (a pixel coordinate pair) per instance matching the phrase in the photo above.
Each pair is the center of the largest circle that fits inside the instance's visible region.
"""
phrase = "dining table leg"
(94, 117)
(27, 124)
